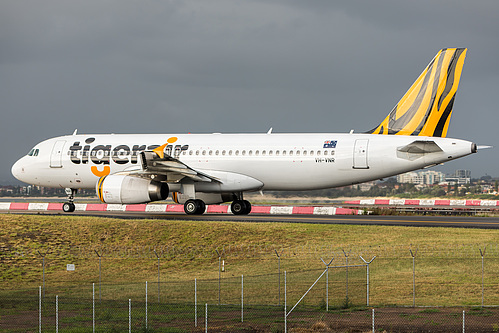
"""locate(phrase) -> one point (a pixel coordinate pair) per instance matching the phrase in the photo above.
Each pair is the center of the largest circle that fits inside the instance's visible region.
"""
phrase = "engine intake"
(124, 189)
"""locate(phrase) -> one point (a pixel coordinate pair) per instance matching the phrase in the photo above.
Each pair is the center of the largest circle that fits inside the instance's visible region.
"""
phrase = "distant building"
(460, 177)
(429, 177)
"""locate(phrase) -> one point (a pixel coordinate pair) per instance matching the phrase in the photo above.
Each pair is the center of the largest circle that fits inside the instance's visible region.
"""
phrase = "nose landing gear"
(69, 206)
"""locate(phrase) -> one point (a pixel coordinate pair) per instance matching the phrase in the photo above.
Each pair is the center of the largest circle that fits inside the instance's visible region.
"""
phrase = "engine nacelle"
(123, 189)
(208, 198)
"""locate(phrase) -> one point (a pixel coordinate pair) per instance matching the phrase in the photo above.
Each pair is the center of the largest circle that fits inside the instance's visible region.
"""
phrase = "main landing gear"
(240, 207)
(69, 206)
(198, 207)
(194, 207)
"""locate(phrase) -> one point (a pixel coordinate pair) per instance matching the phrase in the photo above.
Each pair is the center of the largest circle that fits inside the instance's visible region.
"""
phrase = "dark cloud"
(235, 66)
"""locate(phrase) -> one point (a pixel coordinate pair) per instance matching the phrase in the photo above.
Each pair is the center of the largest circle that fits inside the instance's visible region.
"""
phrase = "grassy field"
(448, 261)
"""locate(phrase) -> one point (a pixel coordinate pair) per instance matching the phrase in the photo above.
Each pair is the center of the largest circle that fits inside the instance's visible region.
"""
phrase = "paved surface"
(414, 221)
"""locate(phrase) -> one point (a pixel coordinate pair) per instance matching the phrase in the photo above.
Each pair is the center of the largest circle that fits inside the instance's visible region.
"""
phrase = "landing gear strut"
(69, 206)
(240, 207)
(194, 207)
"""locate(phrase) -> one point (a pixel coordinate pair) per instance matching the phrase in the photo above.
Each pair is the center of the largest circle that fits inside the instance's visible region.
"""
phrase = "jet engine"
(125, 189)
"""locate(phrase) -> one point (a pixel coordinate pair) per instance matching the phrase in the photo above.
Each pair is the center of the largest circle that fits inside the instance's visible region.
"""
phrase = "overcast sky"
(237, 66)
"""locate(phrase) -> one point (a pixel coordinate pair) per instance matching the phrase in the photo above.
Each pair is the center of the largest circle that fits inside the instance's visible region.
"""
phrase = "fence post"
(40, 309)
(373, 322)
(463, 321)
(195, 302)
(56, 313)
(93, 307)
(367, 265)
(413, 276)
(483, 255)
(285, 302)
(242, 298)
(158, 271)
(346, 256)
(100, 276)
(327, 281)
(206, 318)
(279, 274)
(129, 315)
(146, 305)
(43, 271)
(219, 271)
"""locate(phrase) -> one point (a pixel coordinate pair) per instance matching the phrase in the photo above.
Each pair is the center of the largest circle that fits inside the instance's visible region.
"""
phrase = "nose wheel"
(69, 206)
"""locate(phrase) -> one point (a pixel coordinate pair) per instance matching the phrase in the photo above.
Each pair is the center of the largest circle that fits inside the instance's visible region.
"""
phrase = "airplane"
(201, 169)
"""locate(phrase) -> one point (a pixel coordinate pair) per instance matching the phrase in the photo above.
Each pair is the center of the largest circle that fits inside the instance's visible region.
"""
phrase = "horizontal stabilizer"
(421, 147)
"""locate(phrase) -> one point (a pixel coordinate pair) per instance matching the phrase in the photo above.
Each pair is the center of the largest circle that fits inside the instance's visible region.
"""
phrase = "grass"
(448, 264)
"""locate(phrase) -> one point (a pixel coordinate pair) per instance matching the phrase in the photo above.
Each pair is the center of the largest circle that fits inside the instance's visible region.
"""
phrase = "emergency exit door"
(360, 154)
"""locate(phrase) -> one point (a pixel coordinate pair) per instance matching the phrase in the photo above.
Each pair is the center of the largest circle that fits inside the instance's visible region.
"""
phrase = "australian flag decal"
(330, 144)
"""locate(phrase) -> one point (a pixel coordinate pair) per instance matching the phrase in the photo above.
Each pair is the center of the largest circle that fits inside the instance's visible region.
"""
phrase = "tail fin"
(426, 107)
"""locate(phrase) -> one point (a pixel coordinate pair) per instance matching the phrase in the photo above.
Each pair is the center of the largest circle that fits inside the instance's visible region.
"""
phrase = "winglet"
(426, 108)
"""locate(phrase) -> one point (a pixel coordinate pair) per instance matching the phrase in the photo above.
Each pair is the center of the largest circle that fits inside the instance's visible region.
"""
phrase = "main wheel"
(248, 207)
(191, 207)
(201, 207)
(194, 207)
(68, 207)
(240, 207)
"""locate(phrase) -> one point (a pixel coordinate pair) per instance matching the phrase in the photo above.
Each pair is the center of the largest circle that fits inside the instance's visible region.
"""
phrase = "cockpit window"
(33, 152)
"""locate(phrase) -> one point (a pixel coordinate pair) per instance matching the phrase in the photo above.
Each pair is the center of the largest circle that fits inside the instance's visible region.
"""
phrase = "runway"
(410, 221)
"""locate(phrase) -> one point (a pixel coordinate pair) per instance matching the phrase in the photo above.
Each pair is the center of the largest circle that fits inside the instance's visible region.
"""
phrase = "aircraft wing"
(171, 167)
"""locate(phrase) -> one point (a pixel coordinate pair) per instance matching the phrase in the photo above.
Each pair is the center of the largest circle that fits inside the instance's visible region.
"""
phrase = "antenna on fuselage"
(76, 131)
(270, 131)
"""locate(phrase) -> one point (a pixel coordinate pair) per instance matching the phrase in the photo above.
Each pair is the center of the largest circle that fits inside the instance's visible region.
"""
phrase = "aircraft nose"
(18, 169)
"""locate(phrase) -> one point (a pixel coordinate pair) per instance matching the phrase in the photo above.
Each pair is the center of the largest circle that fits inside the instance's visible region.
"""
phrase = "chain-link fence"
(273, 291)
(30, 312)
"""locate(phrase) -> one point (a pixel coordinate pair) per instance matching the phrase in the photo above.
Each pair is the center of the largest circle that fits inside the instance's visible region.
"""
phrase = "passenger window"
(244, 152)
(257, 153)
(311, 153)
(190, 152)
(223, 152)
(237, 152)
(290, 153)
(270, 152)
(283, 153)
(210, 153)
(277, 153)
(197, 152)
(216, 153)
(297, 152)
(318, 153)
(204, 152)
(325, 152)
(304, 153)
(264, 153)
(250, 152)
(230, 152)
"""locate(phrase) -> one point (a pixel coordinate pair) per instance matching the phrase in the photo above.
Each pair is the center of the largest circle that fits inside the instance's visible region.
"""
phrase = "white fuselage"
(279, 161)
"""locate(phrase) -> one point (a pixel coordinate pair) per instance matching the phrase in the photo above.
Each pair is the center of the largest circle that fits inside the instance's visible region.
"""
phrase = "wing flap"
(153, 163)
